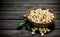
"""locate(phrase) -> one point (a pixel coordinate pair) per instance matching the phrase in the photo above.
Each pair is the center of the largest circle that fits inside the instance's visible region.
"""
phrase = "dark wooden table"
(12, 11)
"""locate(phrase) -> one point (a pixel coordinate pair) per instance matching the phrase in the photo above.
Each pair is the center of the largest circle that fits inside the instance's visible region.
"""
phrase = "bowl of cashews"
(40, 17)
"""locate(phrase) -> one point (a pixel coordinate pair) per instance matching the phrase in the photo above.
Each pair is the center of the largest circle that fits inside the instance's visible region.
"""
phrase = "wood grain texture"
(25, 33)
(9, 24)
(19, 15)
(12, 24)
(12, 11)
(15, 9)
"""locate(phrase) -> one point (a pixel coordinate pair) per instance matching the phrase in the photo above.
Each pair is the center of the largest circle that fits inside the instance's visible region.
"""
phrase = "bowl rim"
(27, 13)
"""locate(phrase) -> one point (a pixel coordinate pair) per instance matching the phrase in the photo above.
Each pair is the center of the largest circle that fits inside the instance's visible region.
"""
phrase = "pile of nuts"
(41, 16)
(41, 30)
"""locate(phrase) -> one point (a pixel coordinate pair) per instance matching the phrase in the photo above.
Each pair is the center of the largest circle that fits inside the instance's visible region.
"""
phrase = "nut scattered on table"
(43, 31)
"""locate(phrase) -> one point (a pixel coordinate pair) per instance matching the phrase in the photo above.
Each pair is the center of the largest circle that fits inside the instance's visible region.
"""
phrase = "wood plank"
(18, 2)
(20, 33)
(12, 24)
(16, 5)
(28, 0)
(26, 7)
(12, 14)
(21, 11)
(12, 11)
(15, 33)
(19, 14)
(9, 24)
(57, 23)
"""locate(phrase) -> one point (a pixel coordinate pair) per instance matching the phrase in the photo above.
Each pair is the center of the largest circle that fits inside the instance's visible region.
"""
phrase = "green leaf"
(20, 24)
(28, 26)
